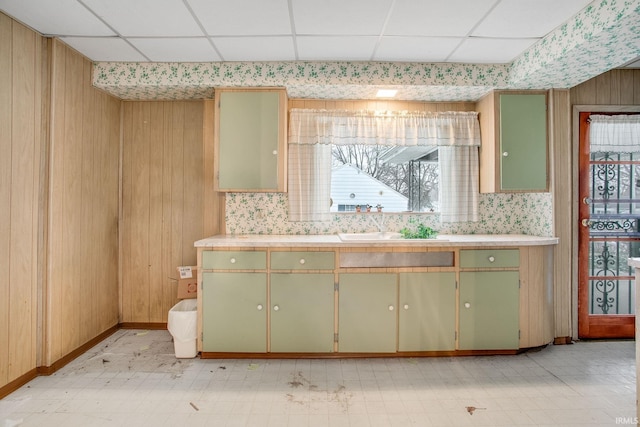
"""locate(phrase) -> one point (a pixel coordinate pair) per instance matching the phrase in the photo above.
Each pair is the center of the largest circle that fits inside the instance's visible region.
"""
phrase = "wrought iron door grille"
(614, 231)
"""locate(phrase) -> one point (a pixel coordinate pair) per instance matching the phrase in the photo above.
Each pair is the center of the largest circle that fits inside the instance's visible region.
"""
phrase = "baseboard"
(9, 388)
(137, 325)
(562, 340)
(48, 370)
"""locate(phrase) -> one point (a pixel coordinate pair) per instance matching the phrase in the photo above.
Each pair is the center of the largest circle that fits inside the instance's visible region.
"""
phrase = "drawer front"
(234, 260)
(302, 260)
(489, 258)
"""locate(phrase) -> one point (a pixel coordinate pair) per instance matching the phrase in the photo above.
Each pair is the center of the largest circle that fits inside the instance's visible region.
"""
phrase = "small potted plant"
(358, 208)
(379, 207)
(369, 208)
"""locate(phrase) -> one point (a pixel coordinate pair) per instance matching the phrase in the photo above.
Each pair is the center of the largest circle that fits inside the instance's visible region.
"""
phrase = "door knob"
(587, 222)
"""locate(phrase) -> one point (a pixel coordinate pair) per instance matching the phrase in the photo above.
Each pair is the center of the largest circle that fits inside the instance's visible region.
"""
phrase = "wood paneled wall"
(82, 286)
(22, 53)
(560, 186)
(164, 199)
(615, 87)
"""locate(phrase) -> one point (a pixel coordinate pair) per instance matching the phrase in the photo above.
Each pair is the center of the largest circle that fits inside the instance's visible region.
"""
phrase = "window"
(391, 178)
(396, 151)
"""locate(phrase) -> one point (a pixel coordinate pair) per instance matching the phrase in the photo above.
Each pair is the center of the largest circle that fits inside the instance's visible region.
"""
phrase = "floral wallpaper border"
(604, 35)
(513, 213)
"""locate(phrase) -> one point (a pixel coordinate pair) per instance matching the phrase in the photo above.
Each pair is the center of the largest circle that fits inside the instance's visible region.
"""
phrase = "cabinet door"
(234, 312)
(302, 313)
(523, 142)
(489, 310)
(427, 317)
(367, 315)
(251, 141)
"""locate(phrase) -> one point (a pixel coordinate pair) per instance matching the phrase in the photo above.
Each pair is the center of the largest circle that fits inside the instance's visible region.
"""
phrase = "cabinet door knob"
(232, 260)
(302, 261)
(390, 308)
(276, 307)
(492, 258)
(505, 154)
(274, 152)
(467, 305)
(259, 307)
(406, 306)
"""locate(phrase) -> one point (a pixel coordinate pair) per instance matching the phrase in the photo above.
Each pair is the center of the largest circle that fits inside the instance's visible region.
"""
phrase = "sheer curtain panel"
(619, 133)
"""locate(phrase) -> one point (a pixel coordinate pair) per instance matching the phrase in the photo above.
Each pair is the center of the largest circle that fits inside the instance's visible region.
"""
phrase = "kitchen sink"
(377, 236)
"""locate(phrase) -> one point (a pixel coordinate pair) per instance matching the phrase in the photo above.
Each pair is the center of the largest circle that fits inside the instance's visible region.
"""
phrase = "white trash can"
(183, 326)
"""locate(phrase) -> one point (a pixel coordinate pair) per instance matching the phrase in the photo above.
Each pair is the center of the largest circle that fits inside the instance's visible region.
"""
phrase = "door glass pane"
(614, 233)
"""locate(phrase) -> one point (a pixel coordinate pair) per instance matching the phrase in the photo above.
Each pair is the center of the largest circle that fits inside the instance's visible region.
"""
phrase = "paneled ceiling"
(222, 31)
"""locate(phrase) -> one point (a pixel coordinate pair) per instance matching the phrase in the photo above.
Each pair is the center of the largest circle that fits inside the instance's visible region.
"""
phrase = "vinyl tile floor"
(133, 379)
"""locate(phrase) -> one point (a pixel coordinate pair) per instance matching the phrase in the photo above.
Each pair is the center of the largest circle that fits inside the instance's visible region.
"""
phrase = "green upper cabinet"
(523, 142)
(513, 154)
(250, 140)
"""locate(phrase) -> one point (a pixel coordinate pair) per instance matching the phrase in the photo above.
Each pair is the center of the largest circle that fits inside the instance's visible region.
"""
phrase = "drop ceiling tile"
(339, 17)
(521, 19)
(176, 50)
(243, 17)
(326, 48)
(60, 17)
(490, 51)
(255, 48)
(416, 49)
(436, 18)
(146, 18)
(104, 48)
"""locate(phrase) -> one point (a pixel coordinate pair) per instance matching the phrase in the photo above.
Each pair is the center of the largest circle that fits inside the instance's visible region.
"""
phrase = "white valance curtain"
(311, 133)
(342, 127)
(618, 133)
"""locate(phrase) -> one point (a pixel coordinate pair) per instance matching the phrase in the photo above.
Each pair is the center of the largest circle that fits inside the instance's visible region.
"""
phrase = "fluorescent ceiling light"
(386, 93)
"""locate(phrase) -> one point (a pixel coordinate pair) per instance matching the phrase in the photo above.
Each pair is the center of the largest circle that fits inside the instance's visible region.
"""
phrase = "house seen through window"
(391, 178)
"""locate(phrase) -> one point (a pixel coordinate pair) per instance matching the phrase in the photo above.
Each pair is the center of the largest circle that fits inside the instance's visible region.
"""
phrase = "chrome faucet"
(379, 222)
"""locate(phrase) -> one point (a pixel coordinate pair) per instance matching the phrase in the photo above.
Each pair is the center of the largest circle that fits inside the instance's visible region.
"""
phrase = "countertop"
(333, 240)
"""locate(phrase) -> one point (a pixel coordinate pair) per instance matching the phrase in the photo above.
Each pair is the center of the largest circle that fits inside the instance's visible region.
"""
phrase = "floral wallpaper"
(605, 35)
(326, 80)
(513, 213)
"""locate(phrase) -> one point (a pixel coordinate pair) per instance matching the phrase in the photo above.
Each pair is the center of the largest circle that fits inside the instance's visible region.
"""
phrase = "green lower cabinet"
(302, 313)
(234, 312)
(427, 316)
(489, 310)
(367, 316)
